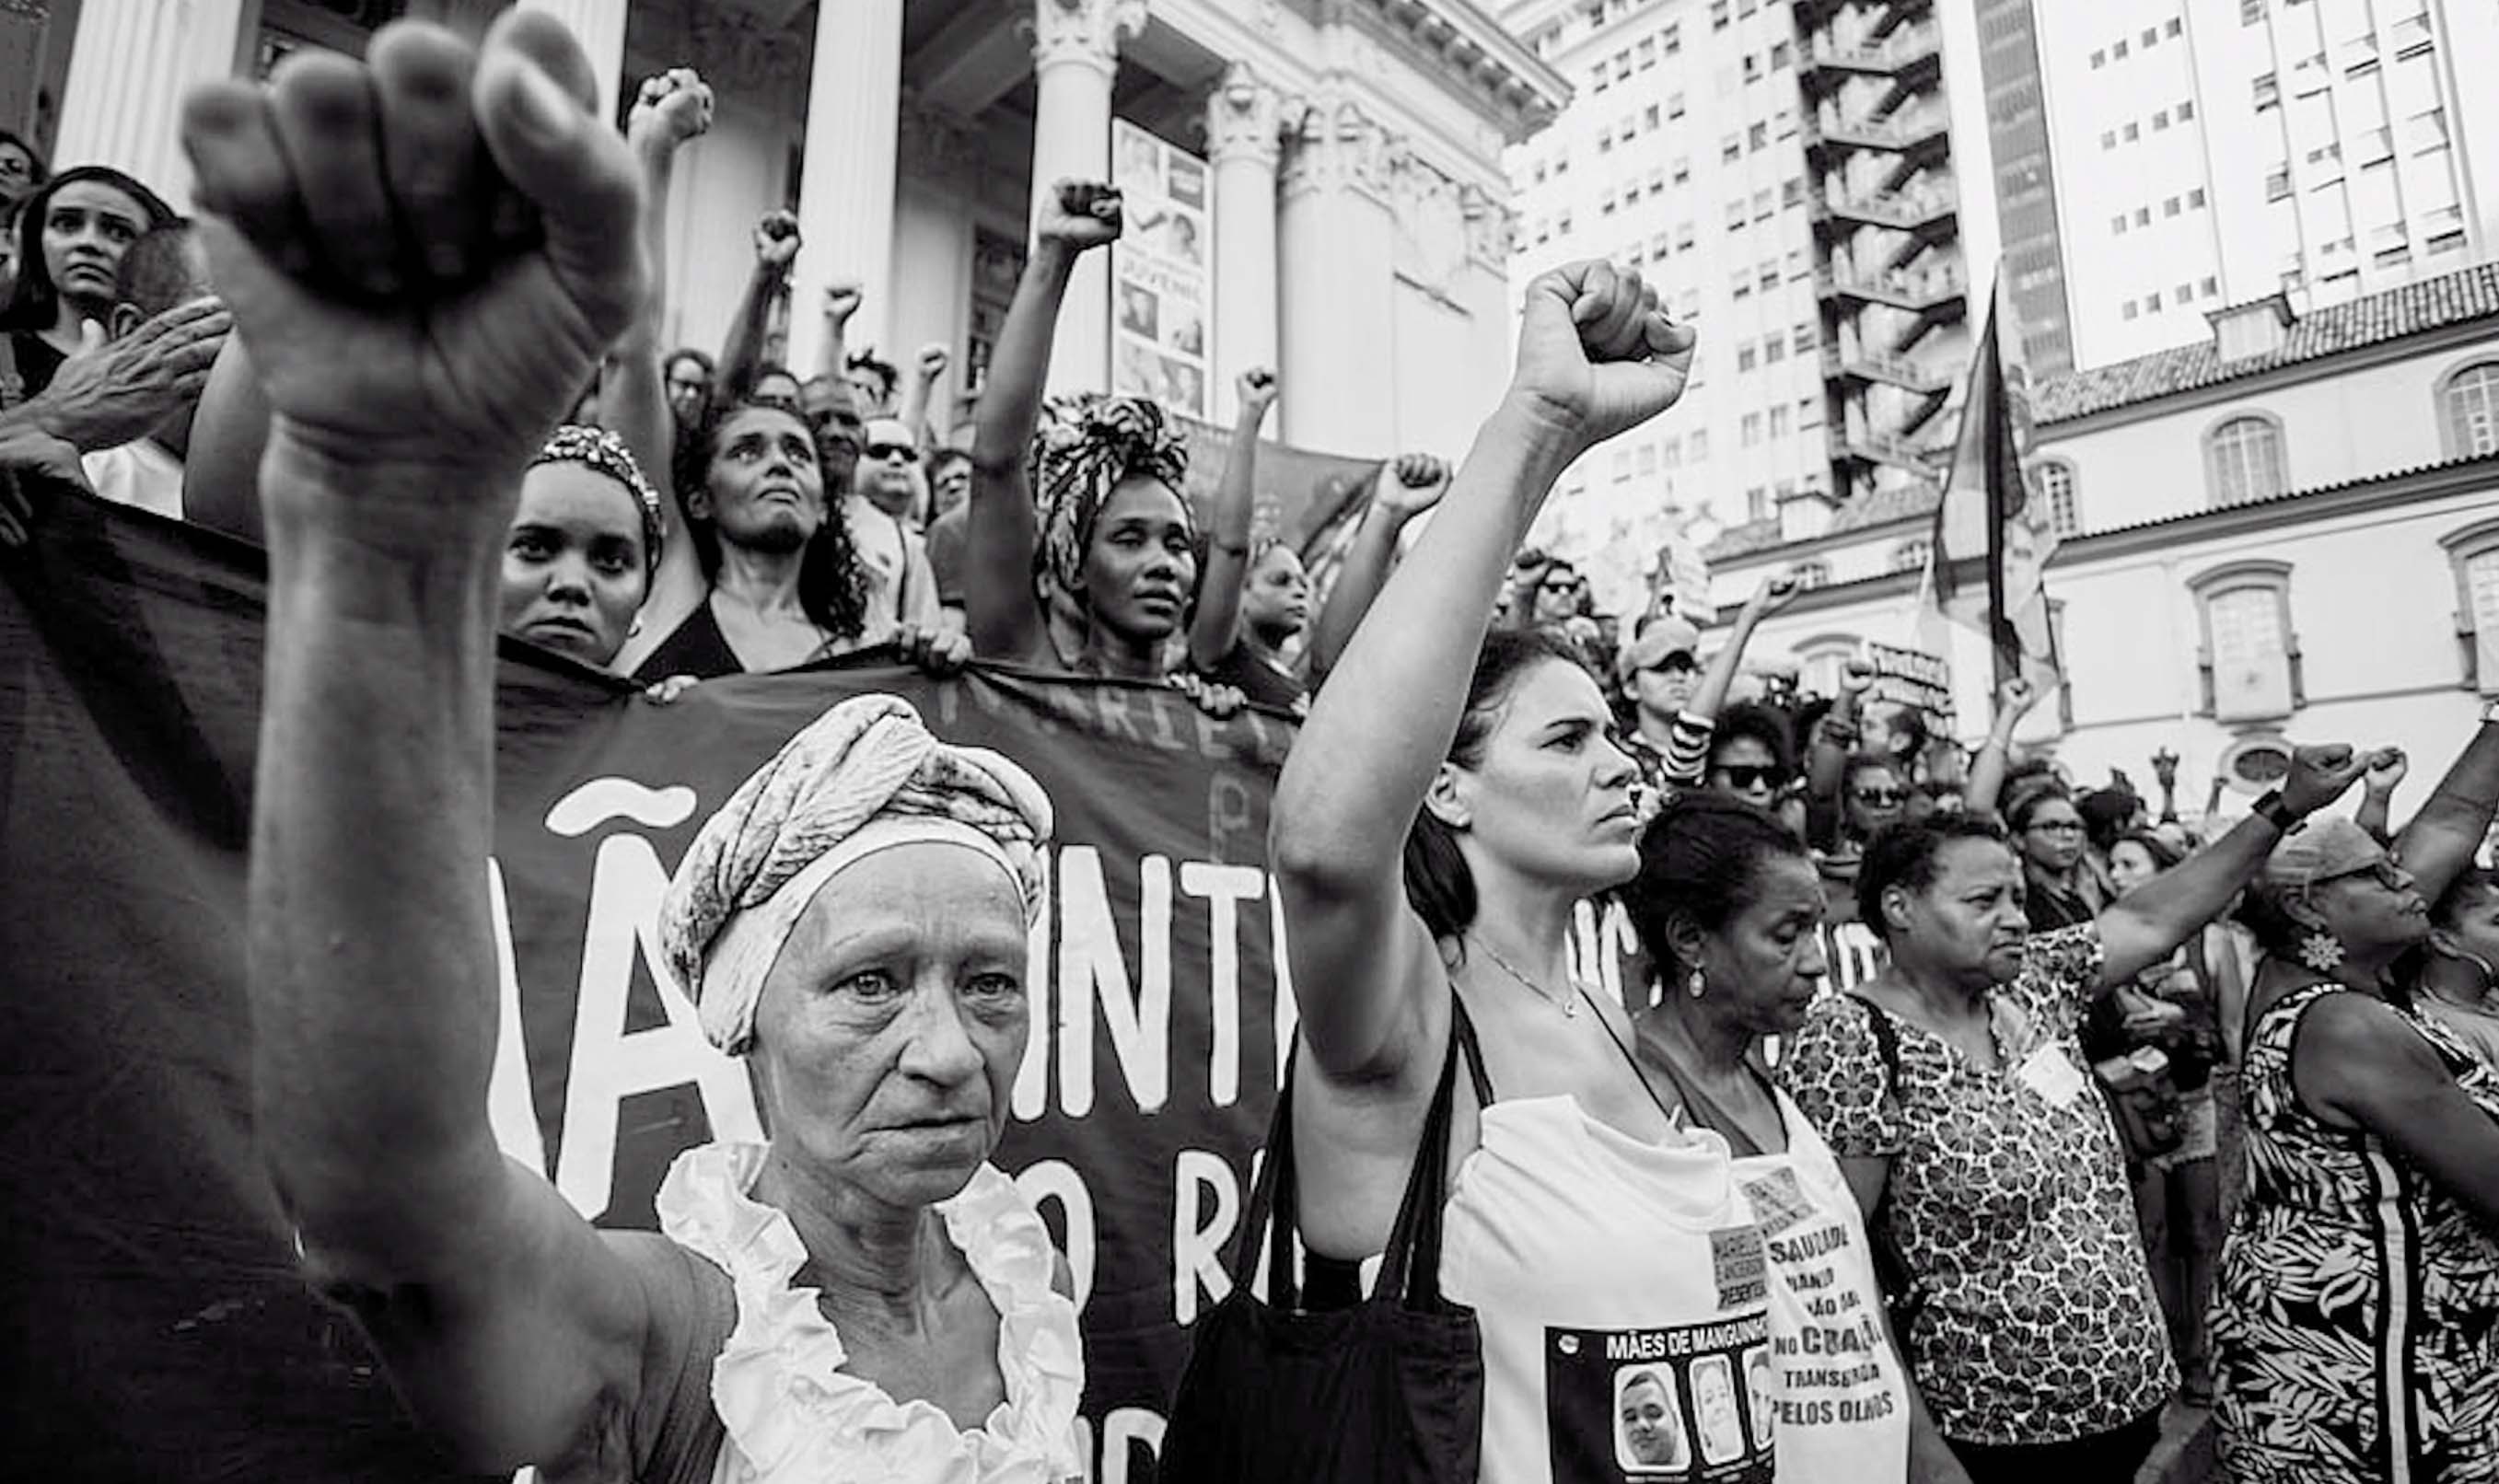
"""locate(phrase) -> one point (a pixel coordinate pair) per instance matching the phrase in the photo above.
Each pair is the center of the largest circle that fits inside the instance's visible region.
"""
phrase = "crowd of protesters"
(1991, 1170)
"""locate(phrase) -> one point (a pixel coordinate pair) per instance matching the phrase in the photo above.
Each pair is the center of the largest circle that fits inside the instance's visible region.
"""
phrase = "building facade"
(2209, 155)
(1785, 173)
(1360, 232)
(2287, 531)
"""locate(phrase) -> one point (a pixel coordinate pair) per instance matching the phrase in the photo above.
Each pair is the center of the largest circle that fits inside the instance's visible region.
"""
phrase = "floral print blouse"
(2008, 1197)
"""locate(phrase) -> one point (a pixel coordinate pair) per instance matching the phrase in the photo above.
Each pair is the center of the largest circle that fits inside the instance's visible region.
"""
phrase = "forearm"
(2375, 807)
(2148, 923)
(1375, 737)
(917, 394)
(1827, 758)
(833, 357)
(742, 357)
(1216, 627)
(1011, 398)
(372, 967)
(1720, 678)
(2441, 840)
(1367, 561)
(1985, 786)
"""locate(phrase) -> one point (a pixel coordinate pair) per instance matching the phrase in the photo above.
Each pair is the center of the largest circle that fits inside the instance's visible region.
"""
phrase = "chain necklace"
(1569, 1006)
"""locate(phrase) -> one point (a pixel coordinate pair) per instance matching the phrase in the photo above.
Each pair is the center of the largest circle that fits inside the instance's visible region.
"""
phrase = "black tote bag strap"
(1273, 1201)
(1411, 1268)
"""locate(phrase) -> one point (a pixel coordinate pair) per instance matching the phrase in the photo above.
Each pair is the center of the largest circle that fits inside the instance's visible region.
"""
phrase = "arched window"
(1910, 556)
(2250, 655)
(2243, 461)
(2052, 481)
(2472, 407)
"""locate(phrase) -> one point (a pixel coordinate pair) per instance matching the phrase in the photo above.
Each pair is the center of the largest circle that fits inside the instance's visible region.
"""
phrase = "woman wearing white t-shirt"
(1729, 908)
(1450, 800)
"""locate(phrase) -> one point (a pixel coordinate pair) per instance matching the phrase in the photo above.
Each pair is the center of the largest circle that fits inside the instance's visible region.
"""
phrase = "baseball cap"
(1661, 635)
(2320, 850)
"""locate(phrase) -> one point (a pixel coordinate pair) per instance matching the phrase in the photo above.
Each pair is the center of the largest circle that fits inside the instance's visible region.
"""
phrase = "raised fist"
(1857, 677)
(2387, 768)
(1776, 591)
(842, 299)
(1410, 485)
(934, 361)
(1257, 388)
(2015, 696)
(1080, 215)
(777, 241)
(1596, 353)
(674, 106)
(426, 253)
(2321, 775)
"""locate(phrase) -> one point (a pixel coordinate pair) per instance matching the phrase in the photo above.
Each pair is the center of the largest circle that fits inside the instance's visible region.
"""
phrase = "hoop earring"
(1698, 984)
(2322, 952)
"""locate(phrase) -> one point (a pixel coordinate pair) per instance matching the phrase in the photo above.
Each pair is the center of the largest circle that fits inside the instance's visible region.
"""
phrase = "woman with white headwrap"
(862, 1297)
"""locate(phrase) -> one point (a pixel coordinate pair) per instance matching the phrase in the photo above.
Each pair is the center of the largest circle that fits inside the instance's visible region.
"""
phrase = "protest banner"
(1915, 679)
(160, 1330)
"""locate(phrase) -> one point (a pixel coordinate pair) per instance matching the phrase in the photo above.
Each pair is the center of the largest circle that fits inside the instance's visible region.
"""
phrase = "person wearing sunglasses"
(2360, 1287)
(882, 512)
(1750, 756)
(1954, 1089)
(1674, 706)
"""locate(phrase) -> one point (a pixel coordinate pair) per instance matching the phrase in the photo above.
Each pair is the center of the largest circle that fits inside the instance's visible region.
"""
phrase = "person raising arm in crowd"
(1574, 1198)
(1400, 489)
(1673, 719)
(854, 921)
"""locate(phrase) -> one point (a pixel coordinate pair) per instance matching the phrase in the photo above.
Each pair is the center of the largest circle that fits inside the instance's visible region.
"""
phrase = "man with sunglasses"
(1674, 706)
(882, 511)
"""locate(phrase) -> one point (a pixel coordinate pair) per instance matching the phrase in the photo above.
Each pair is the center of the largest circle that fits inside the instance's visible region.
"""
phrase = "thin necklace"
(1568, 1007)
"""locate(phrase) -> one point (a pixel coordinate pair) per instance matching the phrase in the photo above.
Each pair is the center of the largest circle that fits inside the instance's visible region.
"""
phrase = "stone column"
(846, 187)
(130, 66)
(1338, 238)
(599, 27)
(1075, 56)
(1244, 124)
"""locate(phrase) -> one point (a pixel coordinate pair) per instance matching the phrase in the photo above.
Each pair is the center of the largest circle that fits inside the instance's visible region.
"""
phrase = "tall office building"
(1784, 171)
(2215, 153)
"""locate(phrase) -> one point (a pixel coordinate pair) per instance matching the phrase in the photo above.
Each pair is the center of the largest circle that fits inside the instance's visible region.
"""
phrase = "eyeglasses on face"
(2058, 827)
(904, 451)
(1747, 774)
(2385, 873)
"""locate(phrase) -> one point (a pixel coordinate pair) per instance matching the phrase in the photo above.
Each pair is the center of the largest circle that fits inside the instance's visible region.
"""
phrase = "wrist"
(1535, 428)
(2275, 809)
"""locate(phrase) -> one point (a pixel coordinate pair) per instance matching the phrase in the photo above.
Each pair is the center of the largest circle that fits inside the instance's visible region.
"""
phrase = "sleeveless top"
(696, 647)
(1621, 1290)
(787, 1412)
(1834, 1391)
(2355, 1321)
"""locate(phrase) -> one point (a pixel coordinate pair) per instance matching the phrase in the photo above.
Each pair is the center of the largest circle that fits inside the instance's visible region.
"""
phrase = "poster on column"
(1159, 272)
(163, 1331)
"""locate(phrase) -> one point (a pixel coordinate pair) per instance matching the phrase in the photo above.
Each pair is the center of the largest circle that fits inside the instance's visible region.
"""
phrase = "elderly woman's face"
(1765, 966)
(2372, 909)
(890, 1029)
(1970, 918)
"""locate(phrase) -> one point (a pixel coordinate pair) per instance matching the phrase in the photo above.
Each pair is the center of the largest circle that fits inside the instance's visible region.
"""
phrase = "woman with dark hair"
(2356, 1330)
(583, 549)
(1580, 1215)
(22, 172)
(71, 236)
(785, 587)
(1954, 1088)
(1750, 755)
(1729, 907)
(2458, 977)
(2048, 830)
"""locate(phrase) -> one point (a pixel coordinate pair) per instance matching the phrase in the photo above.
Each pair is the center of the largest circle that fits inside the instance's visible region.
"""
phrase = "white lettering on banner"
(1092, 969)
(1055, 1179)
(1125, 1427)
(1198, 1241)
(610, 1065)
(1030, 1098)
(1225, 887)
(510, 1110)
(1287, 1009)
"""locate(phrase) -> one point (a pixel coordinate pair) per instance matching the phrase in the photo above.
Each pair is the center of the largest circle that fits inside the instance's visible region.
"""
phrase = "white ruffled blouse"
(792, 1413)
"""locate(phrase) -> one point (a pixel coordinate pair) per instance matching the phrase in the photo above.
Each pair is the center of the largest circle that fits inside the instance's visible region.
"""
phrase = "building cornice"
(1454, 39)
(2239, 388)
(2357, 497)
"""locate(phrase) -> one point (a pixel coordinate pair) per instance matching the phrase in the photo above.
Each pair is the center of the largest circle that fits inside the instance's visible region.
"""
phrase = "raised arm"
(776, 246)
(1596, 356)
(1400, 491)
(2441, 840)
(1216, 626)
(672, 110)
(920, 394)
(1773, 594)
(1986, 787)
(1002, 530)
(1836, 735)
(402, 424)
(2146, 926)
(842, 300)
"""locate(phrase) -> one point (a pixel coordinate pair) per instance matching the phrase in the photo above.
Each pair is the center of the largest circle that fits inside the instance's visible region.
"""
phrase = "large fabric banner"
(156, 1327)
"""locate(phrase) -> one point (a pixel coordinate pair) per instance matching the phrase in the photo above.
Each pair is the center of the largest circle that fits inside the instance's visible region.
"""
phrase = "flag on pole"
(1987, 511)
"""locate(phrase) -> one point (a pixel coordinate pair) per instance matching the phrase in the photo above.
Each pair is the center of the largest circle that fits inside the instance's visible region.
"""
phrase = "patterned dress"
(2356, 1326)
(2009, 1199)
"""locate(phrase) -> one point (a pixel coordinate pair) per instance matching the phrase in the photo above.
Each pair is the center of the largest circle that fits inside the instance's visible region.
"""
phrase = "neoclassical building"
(1356, 207)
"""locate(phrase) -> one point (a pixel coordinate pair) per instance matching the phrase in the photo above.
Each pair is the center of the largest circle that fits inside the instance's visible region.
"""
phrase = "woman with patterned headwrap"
(579, 559)
(1080, 495)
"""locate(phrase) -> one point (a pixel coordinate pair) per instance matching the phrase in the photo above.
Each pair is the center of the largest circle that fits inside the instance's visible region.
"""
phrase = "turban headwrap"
(603, 452)
(1087, 445)
(866, 776)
